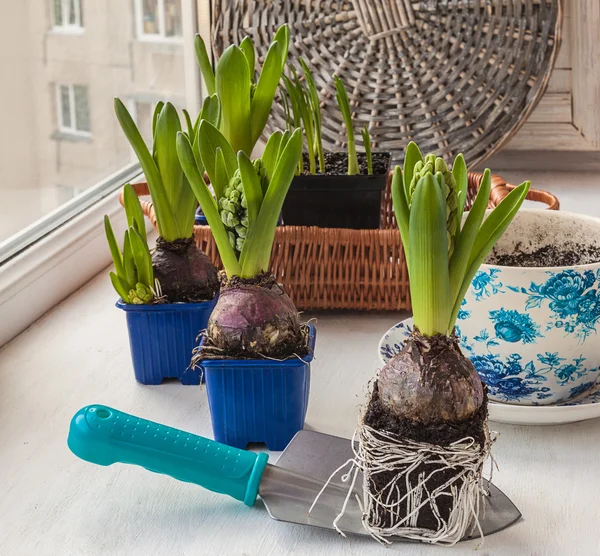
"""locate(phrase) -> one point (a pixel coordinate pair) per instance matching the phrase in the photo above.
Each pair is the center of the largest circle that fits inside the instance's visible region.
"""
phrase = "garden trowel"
(104, 436)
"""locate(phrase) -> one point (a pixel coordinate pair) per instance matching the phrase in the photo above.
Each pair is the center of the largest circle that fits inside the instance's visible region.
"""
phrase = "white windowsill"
(70, 135)
(158, 39)
(67, 30)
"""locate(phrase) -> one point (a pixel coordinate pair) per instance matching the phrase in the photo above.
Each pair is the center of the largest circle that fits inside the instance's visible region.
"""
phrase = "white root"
(389, 513)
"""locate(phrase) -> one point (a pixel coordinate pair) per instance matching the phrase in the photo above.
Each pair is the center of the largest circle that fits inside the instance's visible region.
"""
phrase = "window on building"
(158, 19)
(67, 14)
(73, 109)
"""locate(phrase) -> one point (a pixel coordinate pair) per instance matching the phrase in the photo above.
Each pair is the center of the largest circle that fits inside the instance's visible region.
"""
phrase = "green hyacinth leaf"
(208, 205)
(256, 254)
(142, 258)
(133, 210)
(461, 176)
(221, 174)
(211, 111)
(428, 258)
(115, 252)
(128, 260)
(188, 123)
(233, 89)
(167, 127)
(121, 287)
(266, 87)
(464, 245)
(412, 155)
(401, 210)
(269, 157)
(205, 65)
(165, 219)
(252, 187)
(247, 47)
(209, 140)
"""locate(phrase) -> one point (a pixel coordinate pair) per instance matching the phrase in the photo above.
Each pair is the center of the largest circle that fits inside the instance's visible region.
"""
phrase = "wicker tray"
(452, 75)
(327, 268)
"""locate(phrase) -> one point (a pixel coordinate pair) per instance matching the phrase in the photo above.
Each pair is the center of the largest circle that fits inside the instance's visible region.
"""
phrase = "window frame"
(72, 111)
(161, 36)
(65, 27)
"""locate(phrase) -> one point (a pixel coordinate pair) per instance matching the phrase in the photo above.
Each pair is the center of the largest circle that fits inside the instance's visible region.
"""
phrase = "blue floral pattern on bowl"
(572, 299)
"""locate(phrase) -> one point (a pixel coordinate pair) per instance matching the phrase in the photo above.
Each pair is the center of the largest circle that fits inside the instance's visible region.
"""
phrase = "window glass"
(58, 18)
(72, 12)
(150, 17)
(82, 111)
(64, 138)
(65, 107)
(172, 18)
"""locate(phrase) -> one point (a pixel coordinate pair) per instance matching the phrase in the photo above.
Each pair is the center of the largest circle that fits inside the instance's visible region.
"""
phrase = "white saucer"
(587, 406)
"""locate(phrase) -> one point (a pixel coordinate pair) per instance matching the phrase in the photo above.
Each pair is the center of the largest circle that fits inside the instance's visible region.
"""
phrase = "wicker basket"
(452, 75)
(331, 268)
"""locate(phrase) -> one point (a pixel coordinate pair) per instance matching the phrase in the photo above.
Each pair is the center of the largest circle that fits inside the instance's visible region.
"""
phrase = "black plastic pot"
(339, 200)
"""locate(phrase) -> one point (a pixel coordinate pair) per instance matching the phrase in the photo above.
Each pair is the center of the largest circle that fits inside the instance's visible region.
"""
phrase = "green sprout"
(303, 109)
(264, 182)
(173, 199)
(442, 255)
(133, 278)
(366, 137)
(341, 97)
(245, 102)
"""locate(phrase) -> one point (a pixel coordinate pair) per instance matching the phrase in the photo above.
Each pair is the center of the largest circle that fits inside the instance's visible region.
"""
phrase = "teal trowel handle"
(103, 435)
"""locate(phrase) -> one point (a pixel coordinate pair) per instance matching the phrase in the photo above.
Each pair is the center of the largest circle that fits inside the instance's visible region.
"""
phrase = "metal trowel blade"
(290, 487)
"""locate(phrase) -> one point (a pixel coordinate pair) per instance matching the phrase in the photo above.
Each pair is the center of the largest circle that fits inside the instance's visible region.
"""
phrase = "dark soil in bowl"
(548, 256)
(336, 163)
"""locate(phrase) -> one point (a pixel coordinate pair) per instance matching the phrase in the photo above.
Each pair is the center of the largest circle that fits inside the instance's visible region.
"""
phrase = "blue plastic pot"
(163, 337)
(258, 400)
(200, 219)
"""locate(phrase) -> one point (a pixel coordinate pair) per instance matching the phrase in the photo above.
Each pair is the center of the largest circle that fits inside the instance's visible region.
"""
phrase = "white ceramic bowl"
(532, 332)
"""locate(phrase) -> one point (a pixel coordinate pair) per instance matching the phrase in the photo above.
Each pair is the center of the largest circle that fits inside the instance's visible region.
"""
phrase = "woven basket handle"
(501, 189)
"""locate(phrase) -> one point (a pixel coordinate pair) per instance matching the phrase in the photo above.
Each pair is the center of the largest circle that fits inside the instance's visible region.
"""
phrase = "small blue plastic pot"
(258, 400)
(163, 337)
(200, 219)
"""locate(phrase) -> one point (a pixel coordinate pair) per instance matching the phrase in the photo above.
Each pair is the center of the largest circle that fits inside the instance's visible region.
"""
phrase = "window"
(56, 184)
(73, 109)
(67, 15)
(158, 19)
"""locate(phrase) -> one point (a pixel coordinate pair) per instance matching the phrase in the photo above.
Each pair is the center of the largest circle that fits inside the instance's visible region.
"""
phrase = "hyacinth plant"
(426, 194)
(184, 272)
(253, 316)
(245, 101)
(245, 105)
(133, 278)
(430, 392)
